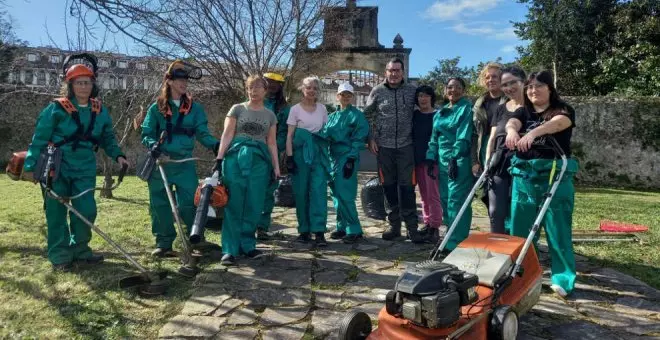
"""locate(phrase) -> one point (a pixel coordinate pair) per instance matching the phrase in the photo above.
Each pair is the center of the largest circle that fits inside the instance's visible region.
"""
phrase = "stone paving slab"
(300, 292)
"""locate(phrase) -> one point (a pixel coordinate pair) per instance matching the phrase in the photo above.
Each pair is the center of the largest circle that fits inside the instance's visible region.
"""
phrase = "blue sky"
(475, 30)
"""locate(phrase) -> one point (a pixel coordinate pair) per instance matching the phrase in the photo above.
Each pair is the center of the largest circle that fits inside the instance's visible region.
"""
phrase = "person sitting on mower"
(76, 124)
(449, 147)
(426, 180)
(183, 120)
(275, 102)
(307, 160)
(248, 160)
(346, 130)
(533, 169)
(499, 179)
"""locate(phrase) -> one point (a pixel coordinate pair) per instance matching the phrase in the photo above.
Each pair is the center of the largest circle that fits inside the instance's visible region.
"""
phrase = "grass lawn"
(37, 303)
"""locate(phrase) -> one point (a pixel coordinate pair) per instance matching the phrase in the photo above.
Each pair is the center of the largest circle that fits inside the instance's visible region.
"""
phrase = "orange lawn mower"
(478, 291)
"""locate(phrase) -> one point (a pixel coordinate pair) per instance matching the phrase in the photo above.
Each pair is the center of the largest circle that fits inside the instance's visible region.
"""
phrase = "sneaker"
(63, 267)
(559, 290)
(352, 238)
(262, 235)
(228, 260)
(304, 238)
(320, 239)
(254, 254)
(337, 234)
(164, 252)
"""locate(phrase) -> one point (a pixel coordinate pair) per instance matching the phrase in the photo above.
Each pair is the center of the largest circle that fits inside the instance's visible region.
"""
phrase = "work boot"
(262, 235)
(352, 238)
(394, 231)
(319, 238)
(63, 267)
(304, 238)
(228, 260)
(432, 236)
(337, 234)
(93, 260)
(414, 236)
(164, 252)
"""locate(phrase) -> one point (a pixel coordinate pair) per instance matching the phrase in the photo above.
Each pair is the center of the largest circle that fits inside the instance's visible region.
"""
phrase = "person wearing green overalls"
(449, 148)
(275, 102)
(248, 159)
(76, 124)
(346, 131)
(534, 168)
(183, 120)
(307, 159)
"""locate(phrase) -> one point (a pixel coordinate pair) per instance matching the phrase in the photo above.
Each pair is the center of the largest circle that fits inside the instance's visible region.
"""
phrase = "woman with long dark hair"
(533, 169)
(499, 179)
(449, 149)
(184, 120)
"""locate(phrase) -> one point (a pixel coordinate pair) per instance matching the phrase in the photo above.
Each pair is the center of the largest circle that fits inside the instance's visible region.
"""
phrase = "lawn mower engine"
(430, 294)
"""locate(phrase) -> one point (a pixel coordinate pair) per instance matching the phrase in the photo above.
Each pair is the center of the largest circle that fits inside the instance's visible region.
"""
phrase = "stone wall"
(617, 141)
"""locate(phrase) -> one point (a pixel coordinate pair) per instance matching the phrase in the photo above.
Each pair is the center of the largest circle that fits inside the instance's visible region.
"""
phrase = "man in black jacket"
(390, 110)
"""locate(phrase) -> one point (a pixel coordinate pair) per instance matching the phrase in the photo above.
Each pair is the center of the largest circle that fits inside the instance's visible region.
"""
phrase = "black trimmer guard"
(148, 284)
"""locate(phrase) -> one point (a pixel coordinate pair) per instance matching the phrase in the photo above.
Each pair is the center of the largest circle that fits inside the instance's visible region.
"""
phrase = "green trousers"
(344, 192)
(453, 194)
(61, 249)
(269, 204)
(183, 182)
(530, 183)
(246, 172)
(310, 189)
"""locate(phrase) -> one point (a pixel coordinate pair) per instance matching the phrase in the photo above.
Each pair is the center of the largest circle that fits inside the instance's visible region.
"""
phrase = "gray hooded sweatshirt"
(389, 110)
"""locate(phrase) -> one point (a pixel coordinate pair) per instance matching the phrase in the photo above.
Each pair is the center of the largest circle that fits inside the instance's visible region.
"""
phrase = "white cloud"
(443, 10)
(485, 30)
(508, 49)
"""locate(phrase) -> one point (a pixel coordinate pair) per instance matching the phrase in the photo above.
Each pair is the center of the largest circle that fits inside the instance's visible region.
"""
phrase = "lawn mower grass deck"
(476, 319)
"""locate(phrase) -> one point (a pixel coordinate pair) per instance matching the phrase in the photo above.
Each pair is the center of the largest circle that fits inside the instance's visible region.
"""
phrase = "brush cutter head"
(149, 284)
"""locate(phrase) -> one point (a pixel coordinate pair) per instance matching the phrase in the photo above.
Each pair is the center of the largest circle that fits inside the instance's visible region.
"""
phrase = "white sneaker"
(559, 290)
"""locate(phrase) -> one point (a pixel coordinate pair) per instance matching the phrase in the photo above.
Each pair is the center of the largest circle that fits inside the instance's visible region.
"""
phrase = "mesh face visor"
(86, 59)
(184, 70)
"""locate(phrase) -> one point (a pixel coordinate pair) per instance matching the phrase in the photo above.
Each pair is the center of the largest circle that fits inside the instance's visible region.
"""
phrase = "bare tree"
(229, 39)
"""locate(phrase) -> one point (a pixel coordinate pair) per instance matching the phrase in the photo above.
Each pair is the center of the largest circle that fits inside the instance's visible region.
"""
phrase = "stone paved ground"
(298, 292)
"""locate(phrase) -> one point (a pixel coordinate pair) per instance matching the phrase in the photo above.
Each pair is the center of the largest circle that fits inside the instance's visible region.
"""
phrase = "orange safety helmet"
(78, 70)
(219, 197)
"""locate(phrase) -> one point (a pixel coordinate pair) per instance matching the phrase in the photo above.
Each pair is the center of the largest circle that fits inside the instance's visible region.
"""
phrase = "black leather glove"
(453, 169)
(430, 168)
(349, 167)
(290, 165)
(218, 165)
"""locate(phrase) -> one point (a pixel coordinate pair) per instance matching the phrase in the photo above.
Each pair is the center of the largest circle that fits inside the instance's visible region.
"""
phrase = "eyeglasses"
(535, 86)
(510, 83)
(346, 94)
(83, 83)
(393, 70)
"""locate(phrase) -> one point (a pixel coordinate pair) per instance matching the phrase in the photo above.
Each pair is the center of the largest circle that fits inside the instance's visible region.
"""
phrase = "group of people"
(440, 148)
